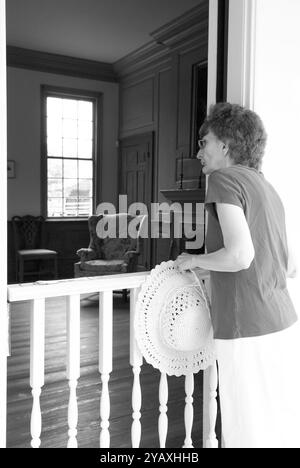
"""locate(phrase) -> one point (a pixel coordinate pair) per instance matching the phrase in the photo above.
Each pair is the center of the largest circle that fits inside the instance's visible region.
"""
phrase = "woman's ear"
(225, 149)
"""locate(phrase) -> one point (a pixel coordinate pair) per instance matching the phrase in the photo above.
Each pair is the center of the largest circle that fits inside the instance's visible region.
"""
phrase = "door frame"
(3, 226)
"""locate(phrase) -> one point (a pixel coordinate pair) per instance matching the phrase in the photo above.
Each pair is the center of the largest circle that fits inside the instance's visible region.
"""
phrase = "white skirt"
(259, 388)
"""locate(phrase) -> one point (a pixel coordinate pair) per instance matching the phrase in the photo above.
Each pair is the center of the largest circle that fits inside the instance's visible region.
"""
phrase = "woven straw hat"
(172, 321)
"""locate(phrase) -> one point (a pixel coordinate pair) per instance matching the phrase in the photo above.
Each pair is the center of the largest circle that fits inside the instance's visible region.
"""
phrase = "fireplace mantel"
(185, 195)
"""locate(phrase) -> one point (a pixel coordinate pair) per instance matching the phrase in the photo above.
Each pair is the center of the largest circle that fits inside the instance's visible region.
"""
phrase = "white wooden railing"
(105, 285)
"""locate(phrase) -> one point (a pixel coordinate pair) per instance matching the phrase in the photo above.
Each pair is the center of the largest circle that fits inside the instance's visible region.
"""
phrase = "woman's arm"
(238, 251)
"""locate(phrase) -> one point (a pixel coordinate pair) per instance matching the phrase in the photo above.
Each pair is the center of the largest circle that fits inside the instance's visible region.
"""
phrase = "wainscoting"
(66, 237)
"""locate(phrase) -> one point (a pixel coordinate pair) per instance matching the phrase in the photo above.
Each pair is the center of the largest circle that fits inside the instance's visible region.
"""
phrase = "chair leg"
(21, 270)
(39, 266)
(17, 270)
(125, 295)
(55, 268)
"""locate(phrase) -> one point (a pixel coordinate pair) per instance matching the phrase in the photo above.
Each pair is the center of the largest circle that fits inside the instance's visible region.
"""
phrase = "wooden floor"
(54, 399)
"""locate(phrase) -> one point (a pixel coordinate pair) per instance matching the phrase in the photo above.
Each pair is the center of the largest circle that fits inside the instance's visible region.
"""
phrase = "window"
(69, 154)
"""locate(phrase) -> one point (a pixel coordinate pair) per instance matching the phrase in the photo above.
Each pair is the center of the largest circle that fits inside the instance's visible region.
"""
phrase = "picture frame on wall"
(11, 169)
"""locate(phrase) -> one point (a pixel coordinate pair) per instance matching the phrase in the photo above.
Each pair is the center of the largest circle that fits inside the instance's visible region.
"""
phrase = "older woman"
(253, 317)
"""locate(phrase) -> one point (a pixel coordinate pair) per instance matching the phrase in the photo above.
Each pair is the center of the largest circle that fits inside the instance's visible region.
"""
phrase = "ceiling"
(102, 30)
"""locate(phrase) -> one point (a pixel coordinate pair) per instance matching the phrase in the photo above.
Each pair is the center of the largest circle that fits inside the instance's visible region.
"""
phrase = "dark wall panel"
(65, 237)
(137, 105)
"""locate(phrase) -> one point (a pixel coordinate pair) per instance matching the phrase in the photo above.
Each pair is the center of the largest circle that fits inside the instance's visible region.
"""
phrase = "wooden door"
(135, 179)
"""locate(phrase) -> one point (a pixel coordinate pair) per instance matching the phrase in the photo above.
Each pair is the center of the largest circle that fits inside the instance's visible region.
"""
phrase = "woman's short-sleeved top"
(255, 301)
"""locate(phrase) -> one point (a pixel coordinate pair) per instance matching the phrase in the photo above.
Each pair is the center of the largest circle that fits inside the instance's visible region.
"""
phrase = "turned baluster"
(73, 364)
(189, 410)
(136, 361)
(105, 361)
(163, 408)
(212, 441)
(37, 354)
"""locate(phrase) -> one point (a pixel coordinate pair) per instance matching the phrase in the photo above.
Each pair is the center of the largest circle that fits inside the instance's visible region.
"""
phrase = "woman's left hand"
(186, 261)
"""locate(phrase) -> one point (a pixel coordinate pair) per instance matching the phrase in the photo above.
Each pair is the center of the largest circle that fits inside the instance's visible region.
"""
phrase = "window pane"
(85, 110)
(54, 147)
(85, 169)
(55, 168)
(55, 188)
(69, 148)
(70, 188)
(85, 188)
(85, 149)
(69, 128)
(85, 206)
(85, 130)
(55, 207)
(54, 128)
(70, 108)
(70, 206)
(70, 169)
(54, 108)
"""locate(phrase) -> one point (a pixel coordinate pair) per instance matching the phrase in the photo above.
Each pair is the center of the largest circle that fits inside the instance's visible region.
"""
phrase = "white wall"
(277, 100)
(264, 61)
(23, 91)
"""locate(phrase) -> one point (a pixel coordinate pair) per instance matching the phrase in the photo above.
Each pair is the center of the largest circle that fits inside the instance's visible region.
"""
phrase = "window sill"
(63, 220)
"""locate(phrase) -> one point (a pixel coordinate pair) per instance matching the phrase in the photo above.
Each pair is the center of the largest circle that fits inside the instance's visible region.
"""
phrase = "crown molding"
(60, 64)
(176, 32)
(184, 33)
(149, 56)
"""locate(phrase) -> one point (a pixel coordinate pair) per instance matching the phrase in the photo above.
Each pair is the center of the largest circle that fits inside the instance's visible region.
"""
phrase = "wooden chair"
(29, 242)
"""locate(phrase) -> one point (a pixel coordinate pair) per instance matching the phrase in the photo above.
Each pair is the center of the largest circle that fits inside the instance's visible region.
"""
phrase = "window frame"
(97, 98)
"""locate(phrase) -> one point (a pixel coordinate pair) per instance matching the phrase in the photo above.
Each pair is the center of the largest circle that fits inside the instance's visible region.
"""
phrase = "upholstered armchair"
(110, 255)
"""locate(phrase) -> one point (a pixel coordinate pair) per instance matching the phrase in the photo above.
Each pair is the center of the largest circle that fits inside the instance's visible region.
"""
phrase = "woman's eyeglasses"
(202, 144)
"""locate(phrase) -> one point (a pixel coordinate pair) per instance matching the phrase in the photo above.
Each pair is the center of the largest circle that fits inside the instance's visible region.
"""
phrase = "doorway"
(135, 179)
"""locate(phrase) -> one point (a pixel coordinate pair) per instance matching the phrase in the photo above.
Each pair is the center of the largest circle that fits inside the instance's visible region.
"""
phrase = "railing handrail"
(68, 287)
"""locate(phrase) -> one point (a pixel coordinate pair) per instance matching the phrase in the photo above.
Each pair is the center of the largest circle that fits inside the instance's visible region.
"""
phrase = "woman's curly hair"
(241, 129)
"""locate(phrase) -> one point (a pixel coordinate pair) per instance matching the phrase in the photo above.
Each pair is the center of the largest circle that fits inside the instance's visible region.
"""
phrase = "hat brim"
(162, 279)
